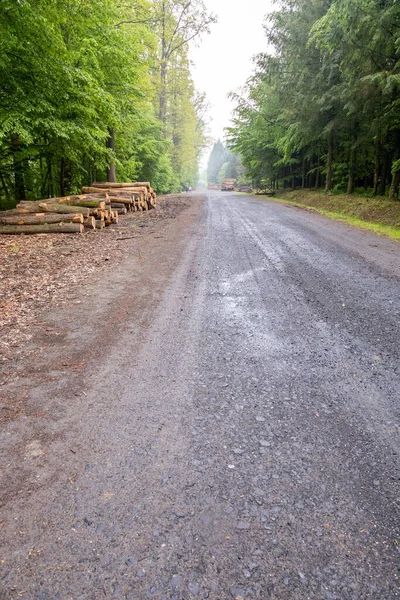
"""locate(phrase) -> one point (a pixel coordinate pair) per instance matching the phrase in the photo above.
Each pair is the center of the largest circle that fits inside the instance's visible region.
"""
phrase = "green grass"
(378, 215)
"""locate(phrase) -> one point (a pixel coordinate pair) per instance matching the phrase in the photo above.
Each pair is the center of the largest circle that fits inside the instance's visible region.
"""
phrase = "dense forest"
(94, 89)
(223, 163)
(323, 106)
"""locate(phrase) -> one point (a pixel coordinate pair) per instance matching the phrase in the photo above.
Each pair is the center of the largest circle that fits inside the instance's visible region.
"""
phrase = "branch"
(150, 20)
(185, 41)
(184, 9)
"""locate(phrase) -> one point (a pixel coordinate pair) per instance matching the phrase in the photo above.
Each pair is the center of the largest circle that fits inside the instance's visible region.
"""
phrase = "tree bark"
(384, 173)
(317, 175)
(350, 184)
(121, 200)
(112, 185)
(163, 70)
(40, 219)
(52, 228)
(329, 165)
(96, 203)
(111, 170)
(394, 188)
(63, 209)
(4, 185)
(376, 170)
(19, 185)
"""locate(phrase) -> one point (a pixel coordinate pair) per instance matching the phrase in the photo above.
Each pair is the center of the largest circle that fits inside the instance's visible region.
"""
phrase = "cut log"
(47, 228)
(90, 223)
(100, 224)
(121, 200)
(40, 219)
(95, 203)
(92, 190)
(95, 192)
(108, 185)
(18, 211)
(112, 193)
(120, 211)
(27, 207)
(63, 209)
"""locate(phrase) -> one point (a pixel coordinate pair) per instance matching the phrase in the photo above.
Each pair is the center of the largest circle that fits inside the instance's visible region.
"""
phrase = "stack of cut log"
(97, 207)
(69, 214)
(125, 197)
(228, 185)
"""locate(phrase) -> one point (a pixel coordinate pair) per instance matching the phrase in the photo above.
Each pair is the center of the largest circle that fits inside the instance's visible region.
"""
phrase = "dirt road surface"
(217, 419)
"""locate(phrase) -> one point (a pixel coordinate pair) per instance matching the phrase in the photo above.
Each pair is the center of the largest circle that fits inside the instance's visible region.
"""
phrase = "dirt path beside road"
(66, 299)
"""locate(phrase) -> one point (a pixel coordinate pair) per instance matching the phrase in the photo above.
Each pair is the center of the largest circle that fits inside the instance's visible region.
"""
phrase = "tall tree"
(323, 109)
(179, 22)
(216, 161)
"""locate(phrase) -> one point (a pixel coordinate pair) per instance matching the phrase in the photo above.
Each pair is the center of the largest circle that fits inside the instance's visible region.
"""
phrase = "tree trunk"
(63, 209)
(62, 177)
(329, 165)
(52, 228)
(4, 186)
(65, 176)
(376, 170)
(19, 185)
(121, 185)
(350, 185)
(111, 170)
(96, 203)
(384, 173)
(317, 175)
(303, 173)
(163, 93)
(163, 70)
(394, 188)
(40, 219)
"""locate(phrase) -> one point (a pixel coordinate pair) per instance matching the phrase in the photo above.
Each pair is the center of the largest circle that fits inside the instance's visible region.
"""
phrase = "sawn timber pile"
(97, 207)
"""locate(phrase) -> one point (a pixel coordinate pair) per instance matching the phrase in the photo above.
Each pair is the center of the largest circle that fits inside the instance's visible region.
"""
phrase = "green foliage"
(70, 73)
(223, 163)
(324, 108)
(216, 161)
(181, 109)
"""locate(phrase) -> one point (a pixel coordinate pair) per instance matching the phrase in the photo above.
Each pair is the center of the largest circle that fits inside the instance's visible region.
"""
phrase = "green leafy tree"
(216, 161)
(324, 109)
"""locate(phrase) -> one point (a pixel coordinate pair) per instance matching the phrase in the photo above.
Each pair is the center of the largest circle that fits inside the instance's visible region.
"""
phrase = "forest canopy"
(94, 88)
(323, 107)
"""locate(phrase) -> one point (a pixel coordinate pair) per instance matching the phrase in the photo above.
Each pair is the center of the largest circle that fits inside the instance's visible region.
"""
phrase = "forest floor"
(52, 271)
(375, 214)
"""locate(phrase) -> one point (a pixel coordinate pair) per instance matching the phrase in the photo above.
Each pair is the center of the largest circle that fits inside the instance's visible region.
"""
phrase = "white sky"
(222, 62)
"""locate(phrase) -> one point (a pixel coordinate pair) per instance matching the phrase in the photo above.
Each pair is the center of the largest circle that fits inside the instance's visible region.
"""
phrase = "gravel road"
(245, 443)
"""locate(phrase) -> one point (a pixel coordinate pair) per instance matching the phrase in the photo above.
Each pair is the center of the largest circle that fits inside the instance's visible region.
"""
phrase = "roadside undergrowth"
(374, 214)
